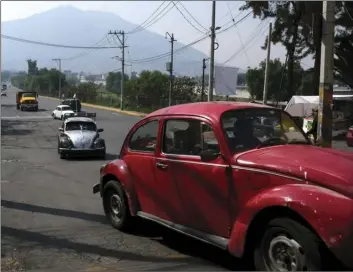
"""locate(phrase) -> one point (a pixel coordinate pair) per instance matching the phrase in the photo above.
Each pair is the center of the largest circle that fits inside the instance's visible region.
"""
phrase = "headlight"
(65, 141)
(98, 143)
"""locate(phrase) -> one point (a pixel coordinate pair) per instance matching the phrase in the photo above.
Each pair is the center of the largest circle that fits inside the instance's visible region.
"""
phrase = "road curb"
(132, 113)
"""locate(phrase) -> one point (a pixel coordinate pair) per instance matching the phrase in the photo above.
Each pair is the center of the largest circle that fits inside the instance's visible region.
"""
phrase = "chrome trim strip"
(261, 171)
(214, 240)
(192, 162)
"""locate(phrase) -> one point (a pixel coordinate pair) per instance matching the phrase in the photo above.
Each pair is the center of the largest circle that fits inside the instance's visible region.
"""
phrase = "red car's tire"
(116, 206)
(287, 241)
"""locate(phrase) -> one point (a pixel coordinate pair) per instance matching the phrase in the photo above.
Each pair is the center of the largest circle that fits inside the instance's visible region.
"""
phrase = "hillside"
(71, 26)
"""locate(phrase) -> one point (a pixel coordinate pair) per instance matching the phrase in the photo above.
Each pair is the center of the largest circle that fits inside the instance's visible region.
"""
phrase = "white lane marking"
(115, 113)
(25, 117)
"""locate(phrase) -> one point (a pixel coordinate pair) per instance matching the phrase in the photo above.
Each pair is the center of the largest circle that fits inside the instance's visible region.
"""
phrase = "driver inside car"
(244, 134)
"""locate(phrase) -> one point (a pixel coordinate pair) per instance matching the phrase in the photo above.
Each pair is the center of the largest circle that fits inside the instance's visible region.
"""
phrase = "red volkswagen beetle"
(240, 176)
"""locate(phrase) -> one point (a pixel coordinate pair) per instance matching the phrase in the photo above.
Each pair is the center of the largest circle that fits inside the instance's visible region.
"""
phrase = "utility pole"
(267, 70)
(122, 47)
(213, 38)
(203, 78)
(59, 61)
(326, 75)
(170, 66)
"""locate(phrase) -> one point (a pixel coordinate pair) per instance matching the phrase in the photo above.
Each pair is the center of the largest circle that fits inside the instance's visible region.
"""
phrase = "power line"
(155, 20)
(235, 23)
(85, 53)
(183, 48)
(225, 15)
(191, 17)
(164, 55)
(141, 25)
(253, 37)
(241, 40)
(52, 44)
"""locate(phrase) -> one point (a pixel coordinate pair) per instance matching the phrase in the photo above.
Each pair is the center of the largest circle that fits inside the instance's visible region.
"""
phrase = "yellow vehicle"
(27, 101)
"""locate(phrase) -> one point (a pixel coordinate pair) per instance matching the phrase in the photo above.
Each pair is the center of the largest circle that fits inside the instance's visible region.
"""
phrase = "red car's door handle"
(161, 165)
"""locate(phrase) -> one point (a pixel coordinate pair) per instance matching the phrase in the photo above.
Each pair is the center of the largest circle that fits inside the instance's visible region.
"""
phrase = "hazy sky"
(231, 42)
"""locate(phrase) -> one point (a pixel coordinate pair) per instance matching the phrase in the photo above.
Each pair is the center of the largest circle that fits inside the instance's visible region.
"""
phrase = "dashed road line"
(25, 117)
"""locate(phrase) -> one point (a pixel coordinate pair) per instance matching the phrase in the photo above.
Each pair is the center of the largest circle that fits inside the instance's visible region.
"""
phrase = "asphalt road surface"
(52, 221)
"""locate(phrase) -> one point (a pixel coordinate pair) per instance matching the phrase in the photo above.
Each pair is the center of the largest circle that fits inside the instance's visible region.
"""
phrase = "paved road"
(50, 218)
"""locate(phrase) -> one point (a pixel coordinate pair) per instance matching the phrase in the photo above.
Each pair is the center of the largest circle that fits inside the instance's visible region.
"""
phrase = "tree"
(308, 32)
(86, 92)
(5, 76)
(185, 89)
(32, 67)
(277, 82)
(113, 81)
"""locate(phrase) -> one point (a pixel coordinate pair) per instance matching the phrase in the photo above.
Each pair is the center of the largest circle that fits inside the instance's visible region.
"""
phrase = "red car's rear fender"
(119, 171)
(330, 214)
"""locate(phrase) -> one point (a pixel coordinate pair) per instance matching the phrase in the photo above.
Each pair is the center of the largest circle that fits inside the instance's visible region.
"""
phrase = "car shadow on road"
(42, 110)
(149, 229)
(173, 240)
(48, 241)
(197, 249)
(108, 157)
(54, 211)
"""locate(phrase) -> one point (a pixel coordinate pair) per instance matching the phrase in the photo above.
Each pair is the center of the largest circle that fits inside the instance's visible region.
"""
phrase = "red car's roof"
(212, 110)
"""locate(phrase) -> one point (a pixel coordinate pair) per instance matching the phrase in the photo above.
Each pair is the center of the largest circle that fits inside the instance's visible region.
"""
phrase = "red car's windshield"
(255, 128)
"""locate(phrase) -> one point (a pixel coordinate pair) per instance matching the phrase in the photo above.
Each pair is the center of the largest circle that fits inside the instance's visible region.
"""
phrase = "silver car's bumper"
(81, 151)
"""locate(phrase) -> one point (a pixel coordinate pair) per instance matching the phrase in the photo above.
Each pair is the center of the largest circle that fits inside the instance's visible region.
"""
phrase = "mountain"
(67, 25)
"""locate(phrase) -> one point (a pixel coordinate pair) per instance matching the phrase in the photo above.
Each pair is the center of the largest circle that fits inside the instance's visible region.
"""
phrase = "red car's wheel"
(116, 206)
(286, 245)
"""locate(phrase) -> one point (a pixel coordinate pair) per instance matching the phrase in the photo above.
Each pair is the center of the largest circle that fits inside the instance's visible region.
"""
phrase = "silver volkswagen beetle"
(79, 136)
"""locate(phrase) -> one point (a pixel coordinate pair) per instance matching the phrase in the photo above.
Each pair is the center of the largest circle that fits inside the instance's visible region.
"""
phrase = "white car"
(60, 111)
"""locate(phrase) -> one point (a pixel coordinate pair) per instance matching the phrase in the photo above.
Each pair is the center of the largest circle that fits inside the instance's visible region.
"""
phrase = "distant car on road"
(60, 111)
(349, 137)
(3, 93)
(79, 137)
(214, 172)
(74, 103)
(27, 100)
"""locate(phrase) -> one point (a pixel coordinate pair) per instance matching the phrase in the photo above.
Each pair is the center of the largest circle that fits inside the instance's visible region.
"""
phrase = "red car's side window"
(188, 137)
(145, 137)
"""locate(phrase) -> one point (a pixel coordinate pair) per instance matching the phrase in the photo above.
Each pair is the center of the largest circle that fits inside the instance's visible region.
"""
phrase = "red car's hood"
(325, 166)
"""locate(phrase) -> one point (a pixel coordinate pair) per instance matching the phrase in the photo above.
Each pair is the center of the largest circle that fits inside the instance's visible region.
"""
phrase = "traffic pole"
(213, 38)
(267, 69)
(326, 75)
(203, 79)
(122, 47)
(171, 76)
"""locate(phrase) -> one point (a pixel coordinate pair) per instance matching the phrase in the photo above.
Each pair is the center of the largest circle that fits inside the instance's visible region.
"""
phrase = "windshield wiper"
(272, 141)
